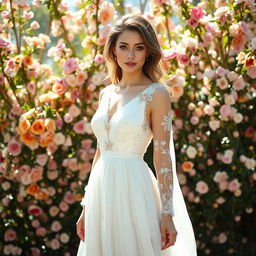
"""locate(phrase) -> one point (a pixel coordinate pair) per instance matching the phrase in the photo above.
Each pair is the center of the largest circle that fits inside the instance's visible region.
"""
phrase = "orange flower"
(24, 126)
(50, 124)
(46, 138)
(18, 61)
(48, 97)
(67, 102)
(28, 138)
(187, 166)
(38, 127)
(58, 88)
(42, 195)
(27, 61)
(32, 189)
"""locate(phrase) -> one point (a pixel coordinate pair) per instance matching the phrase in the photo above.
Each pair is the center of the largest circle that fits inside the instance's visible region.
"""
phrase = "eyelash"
(139, 47)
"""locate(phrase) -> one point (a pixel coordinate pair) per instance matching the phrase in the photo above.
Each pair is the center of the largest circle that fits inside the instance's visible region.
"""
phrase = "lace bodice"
(128, 131)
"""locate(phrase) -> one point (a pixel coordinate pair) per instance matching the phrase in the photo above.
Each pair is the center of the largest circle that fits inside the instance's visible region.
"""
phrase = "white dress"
(123, 203)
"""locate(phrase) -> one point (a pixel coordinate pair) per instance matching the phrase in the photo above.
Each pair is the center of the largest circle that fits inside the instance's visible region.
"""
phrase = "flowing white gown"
(122, 200)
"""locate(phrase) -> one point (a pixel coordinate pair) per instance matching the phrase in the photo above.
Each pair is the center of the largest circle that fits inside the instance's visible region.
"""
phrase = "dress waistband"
(120, 154)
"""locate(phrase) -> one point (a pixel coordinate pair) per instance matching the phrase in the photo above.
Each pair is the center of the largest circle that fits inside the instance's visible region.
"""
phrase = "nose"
(130, 53)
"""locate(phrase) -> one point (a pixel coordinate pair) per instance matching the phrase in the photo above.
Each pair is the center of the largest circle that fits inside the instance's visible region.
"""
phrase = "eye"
(140, 48)
(122, 47)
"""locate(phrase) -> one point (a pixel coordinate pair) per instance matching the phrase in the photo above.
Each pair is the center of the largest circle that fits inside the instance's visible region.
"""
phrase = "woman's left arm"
(161, 119)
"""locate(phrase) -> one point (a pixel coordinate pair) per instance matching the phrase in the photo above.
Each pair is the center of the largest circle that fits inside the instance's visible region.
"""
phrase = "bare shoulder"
(161, 95)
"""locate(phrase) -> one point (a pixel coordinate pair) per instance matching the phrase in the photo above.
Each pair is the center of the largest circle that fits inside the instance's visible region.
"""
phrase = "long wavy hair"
(153, 67)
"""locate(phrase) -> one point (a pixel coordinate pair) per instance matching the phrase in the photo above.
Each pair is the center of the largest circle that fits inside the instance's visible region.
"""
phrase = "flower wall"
(49, 86)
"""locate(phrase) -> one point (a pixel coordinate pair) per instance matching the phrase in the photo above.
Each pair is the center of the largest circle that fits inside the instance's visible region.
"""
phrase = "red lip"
(130, 63)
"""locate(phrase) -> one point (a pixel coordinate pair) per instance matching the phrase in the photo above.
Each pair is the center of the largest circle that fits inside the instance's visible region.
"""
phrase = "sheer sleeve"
(161, 127)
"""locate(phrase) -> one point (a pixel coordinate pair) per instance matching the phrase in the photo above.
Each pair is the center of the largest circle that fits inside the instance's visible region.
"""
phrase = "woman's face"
(130, 48)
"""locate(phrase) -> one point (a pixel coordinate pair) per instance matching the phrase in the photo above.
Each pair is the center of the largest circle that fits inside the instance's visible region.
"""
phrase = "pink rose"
(232, 76)
(70, 65)
(251, 72)
(68, 118)
(239, 83)
(14, 147)
(55, 244)
(202, 187)
(192, 23)
(41, 231)
(197, 13)
(225, 110)
(183, 59)
(220, 71)
(169, 54)
(56, 226)
(73, 164)
(63, 206)
(69, 198)
(54, 210)
(79, 127)
(194, 59)
(87, 143)
(227, 159)
(99, 58)
(41, 159)
(10, 235)
(52, 165)
(34, 25)
(234, 185)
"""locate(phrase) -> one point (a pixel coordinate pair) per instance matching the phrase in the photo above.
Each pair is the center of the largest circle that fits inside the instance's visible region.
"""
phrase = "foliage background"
(51, 72)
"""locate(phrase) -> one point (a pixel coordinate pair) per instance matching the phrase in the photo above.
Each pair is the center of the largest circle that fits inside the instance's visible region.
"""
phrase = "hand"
(168, 232)
(80, 226)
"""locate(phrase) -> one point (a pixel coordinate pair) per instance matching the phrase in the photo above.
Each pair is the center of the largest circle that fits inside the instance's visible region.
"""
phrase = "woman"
(126, 210)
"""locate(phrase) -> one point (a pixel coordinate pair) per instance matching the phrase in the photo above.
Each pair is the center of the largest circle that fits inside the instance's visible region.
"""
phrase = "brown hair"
(153, 68)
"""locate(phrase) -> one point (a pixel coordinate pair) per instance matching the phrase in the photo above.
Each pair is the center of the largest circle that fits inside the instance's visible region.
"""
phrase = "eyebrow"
(127, 43)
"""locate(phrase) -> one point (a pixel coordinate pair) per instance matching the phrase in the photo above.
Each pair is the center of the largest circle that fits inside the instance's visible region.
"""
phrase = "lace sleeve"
(161, 127)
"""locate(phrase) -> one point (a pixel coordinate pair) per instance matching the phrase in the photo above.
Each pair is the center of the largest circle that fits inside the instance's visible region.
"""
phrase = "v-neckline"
(127, 103)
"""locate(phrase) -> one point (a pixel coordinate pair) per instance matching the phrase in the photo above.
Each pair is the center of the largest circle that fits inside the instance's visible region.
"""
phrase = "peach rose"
(222, 83)
(24, 125)
(54, 210)
(27, 61)
(238, 42)
(38, 127)
(202, 187)
(59, 88)
(41, 159)
(74, 111)
(48, 97)
(46, 138)
(106, 13)
(36, 173)
(29, 140)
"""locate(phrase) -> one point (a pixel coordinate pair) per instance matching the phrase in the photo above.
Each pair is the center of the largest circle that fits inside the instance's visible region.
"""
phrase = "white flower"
(250, 163)
(191, 152)
(214, 124)
(238, 118)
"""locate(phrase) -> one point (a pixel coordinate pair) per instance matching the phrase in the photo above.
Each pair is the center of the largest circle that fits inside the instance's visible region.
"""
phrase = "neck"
(133, 79)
